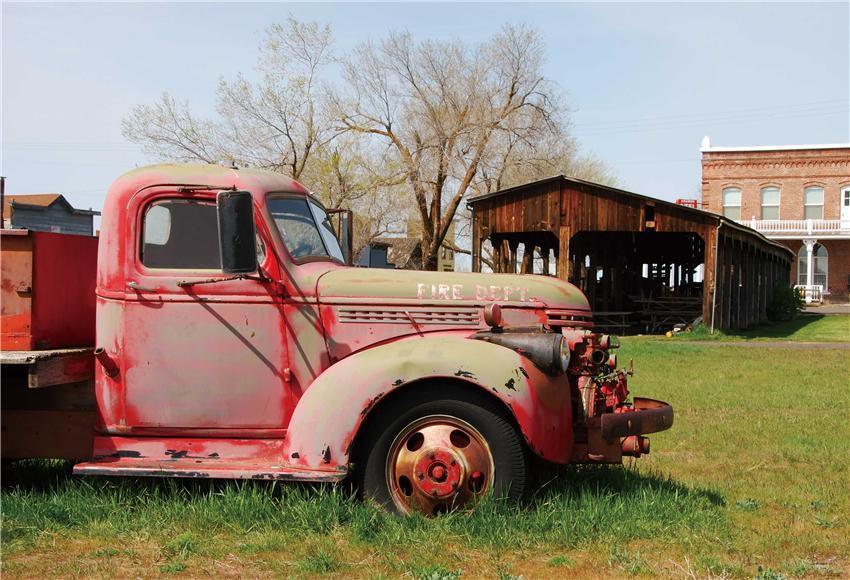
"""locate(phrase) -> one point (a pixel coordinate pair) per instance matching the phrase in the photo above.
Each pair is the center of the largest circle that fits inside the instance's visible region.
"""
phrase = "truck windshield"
(305, 228)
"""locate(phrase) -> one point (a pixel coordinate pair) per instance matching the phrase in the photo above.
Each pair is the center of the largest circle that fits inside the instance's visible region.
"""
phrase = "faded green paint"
(331, 411)
(449, 288)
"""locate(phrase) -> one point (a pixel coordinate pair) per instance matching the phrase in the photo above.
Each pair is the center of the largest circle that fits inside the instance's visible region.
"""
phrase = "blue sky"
(645, 82)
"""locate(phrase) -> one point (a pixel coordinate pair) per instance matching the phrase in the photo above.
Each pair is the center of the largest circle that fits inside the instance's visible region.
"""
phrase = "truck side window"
(181, 234)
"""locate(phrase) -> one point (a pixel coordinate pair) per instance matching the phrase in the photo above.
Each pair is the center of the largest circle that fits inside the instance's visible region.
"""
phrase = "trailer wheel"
(441, 455)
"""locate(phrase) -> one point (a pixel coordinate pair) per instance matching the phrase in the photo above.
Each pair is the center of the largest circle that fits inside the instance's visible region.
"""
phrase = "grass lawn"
(751, 481)
(805, 328)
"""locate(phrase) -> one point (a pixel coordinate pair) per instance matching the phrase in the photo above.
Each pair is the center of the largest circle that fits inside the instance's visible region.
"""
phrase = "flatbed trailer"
(46, 344)
(48, 406)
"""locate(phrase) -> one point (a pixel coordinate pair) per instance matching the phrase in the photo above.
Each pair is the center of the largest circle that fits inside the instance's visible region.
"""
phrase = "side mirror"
(237, 238)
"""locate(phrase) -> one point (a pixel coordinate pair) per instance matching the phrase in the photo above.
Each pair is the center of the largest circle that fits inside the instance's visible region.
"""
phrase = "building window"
(813, 203)
(819, 272)
(732, 203)
(770, 203)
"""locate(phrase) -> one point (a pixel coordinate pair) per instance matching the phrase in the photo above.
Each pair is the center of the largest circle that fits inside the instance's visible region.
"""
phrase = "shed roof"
(40, 201)
(697, 213)
(584, 182)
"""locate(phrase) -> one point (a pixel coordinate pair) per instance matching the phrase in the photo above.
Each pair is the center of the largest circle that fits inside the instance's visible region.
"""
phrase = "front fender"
(333, 408)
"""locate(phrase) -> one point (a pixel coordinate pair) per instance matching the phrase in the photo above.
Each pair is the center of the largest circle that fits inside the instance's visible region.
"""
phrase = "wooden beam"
(476, 242)
(564, 236)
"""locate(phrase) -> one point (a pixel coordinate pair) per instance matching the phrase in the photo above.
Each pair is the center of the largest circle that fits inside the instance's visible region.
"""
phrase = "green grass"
(805, 328)
(751, 481)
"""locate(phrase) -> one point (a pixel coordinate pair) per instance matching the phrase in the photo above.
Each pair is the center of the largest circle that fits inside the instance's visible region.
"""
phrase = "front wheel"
(440, 455)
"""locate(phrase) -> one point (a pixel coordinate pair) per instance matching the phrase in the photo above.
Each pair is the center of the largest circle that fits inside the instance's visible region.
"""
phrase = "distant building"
(403, 253)
(47, 212)
(798, 195)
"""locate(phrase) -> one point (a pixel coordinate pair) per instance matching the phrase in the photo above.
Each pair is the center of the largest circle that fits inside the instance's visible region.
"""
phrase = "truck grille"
(569, 318)
(452, 317)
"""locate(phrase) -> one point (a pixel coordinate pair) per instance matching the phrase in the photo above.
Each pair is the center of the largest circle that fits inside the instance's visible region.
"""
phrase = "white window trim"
(806, 204)
(738, 205)
(777, 205)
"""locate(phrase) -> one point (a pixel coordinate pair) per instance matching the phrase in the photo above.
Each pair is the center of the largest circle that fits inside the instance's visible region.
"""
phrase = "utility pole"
(2, 201)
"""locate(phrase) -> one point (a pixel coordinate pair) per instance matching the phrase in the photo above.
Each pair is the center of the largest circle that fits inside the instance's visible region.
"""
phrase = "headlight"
(564, 355)
(548, 351)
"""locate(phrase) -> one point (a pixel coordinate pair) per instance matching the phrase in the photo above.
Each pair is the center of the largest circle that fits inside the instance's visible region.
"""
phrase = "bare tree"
(416, 127)
(345, 173)
(275, 123)
(445, 109)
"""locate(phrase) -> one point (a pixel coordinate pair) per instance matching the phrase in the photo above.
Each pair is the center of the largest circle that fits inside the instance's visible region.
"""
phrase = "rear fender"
(334, 407)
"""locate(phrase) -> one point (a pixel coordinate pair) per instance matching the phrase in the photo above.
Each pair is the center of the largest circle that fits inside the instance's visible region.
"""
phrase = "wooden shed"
(644, 264)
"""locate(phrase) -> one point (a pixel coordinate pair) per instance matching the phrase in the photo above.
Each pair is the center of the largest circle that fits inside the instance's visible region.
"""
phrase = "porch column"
(810, 266)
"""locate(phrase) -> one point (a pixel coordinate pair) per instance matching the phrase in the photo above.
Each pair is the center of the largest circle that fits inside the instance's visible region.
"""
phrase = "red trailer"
(47, 336)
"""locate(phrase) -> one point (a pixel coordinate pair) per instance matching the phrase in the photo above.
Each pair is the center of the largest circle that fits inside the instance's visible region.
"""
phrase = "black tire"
(505, 444)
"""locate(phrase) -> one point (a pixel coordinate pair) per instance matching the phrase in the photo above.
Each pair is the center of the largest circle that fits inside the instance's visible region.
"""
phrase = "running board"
(204, 468)
(220, 458)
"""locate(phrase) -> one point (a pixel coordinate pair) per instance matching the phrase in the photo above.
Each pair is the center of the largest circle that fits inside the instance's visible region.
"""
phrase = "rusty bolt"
(453, 461)
(454, 485)
(420, 476)
(434, 493)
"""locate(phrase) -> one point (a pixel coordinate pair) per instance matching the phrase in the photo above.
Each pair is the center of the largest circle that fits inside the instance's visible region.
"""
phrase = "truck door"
(199, 356)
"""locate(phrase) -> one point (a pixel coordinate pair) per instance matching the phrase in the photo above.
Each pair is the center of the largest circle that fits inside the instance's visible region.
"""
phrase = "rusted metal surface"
(221, 458)
(635, 446)
(438, 463)
(644, 416)
(16, 263)
(349, 390)
(47, 290)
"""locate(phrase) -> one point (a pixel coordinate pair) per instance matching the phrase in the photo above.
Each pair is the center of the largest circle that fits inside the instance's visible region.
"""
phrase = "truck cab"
(234, 340)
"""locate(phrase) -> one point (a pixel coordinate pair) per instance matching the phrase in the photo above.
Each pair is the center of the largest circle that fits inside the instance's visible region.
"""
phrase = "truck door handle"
(135, 286)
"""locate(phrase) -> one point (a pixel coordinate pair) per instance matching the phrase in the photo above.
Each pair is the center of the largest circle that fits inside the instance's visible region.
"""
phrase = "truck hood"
(410, 286)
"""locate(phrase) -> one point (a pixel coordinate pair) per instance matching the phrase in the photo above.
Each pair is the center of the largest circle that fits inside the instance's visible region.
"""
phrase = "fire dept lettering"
(480, 292)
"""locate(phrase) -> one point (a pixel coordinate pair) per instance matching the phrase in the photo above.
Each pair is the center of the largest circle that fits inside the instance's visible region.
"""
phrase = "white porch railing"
(801, 227)
(811, 293)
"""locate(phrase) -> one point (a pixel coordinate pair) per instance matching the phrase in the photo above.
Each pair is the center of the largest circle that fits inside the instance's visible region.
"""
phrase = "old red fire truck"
(223, 335)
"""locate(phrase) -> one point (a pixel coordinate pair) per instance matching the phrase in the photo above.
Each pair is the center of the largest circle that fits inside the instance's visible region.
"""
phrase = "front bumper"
(644, 416)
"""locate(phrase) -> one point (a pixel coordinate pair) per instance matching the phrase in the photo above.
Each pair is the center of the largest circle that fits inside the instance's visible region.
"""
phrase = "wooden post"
(476, 242)
(497, 254)
(564, 235)
(506, 257)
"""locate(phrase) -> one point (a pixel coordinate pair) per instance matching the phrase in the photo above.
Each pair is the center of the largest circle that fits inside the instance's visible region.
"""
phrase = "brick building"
(798, 195)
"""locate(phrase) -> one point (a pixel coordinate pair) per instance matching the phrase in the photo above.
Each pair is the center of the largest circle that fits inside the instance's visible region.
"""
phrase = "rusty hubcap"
(438, 463)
